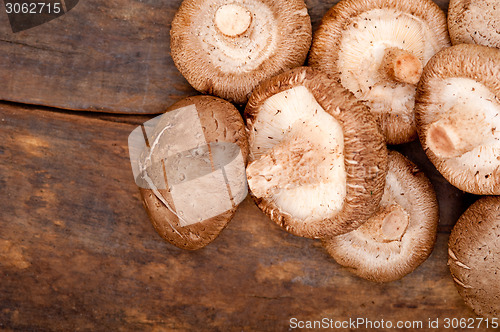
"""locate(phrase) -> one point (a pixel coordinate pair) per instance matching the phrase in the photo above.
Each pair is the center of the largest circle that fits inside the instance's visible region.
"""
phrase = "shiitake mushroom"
(317, 161)
(457, 113)
(474, 256)
(226, 48)
(400, 235)
(192, 173)
(377, 49)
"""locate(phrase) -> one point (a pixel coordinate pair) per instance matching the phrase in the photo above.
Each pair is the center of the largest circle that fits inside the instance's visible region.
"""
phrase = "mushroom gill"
(474, 22)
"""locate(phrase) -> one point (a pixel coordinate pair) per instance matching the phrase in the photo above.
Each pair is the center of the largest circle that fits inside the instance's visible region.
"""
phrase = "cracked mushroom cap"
(226, 48)
(400, 235)
(474, 256)
(458, 116)
(192, 173)
(474, 22)
(318, 161)
(377, 49)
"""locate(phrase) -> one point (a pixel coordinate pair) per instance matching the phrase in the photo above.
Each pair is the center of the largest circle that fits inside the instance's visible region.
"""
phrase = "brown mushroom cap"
(226, 48)
(377, 49)
(474, 256)
(401, 234)
(457, 113)
(200, 149)
(474, 22)
(318, 161)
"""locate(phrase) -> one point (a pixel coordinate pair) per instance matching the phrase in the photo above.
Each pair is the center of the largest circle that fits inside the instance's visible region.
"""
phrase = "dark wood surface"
(77, 251)
(110, 56)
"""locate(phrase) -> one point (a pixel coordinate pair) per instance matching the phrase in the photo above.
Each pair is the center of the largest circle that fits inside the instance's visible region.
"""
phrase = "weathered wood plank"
(108, 56)
(77, 251)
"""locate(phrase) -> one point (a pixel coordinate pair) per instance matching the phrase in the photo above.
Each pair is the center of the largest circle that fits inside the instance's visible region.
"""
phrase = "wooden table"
(77, 251)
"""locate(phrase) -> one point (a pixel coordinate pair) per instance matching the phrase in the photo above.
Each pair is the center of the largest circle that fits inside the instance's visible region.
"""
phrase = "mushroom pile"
(380, 72)
(319, 168)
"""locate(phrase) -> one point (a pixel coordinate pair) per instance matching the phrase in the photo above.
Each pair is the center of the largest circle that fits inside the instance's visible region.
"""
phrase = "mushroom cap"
(319, 107)
(352, 42)
(204, 153)
(388, 249)
(456, 110)
(277, 37)
(474, 256)
(474, 22)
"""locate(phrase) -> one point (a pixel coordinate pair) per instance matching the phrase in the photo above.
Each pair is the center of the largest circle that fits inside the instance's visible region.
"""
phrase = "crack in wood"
(37, 47)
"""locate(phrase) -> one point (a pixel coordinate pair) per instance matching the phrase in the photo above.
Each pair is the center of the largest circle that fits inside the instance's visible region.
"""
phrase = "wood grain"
(111, 56)
(77, 251)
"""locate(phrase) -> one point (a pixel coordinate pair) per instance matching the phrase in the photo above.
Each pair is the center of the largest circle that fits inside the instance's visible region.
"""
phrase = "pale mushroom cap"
(400, 236)
(457, 113)
(474, 256)
(353, 44)
(226, 48)
(317, 160)
(474, 22)
(193, 192)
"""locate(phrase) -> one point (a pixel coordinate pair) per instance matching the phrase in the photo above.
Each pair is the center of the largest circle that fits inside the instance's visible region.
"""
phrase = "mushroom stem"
(301, 158)
(401, 65)
(281, 166)
(456, 134)
(389, 224)
(232, 20)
